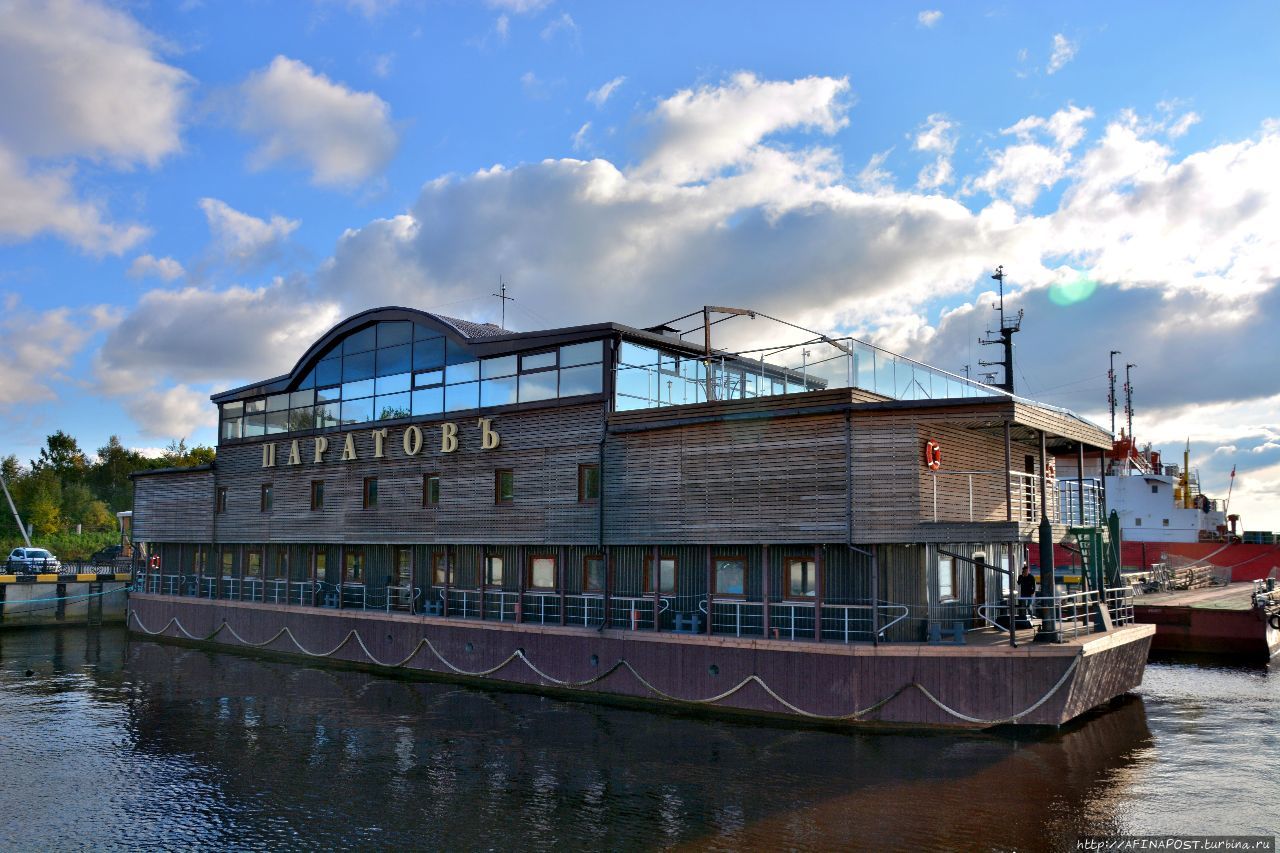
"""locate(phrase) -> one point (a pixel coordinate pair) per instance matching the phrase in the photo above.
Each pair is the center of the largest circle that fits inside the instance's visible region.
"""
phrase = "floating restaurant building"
(618, 511)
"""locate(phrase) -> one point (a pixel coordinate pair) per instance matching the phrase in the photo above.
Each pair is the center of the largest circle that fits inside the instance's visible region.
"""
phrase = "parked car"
(106, 556)
(32, 560)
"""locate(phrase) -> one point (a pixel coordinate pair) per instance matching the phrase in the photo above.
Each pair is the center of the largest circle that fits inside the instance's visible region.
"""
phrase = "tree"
(178, 455)
(109, 479)
(62, 455)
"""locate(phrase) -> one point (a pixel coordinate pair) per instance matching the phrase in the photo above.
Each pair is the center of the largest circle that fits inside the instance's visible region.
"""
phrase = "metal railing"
(982, 496)
(1072, 614)
(1068, 491)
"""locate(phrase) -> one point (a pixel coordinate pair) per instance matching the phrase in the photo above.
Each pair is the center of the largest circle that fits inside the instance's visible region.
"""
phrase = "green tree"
(178, 455)
(109, 478)
(42, 502)
(62, 455)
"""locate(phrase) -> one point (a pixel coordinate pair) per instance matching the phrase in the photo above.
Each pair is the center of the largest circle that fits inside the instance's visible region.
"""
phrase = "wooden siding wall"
(543, 448)
(753, 481)
(173, 507)
(966, 450)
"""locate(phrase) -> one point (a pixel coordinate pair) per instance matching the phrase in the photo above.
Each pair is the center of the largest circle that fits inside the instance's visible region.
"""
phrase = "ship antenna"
(503, 300)
(1111, 395)
(1008, 328)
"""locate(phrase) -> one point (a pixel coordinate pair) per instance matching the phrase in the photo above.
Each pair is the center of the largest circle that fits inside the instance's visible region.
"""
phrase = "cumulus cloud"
(1039, 158)
(166, 269)
(243, 239)
(341, 135)
(563, 24)
(519, 7)
(1064, 50)
(71, 70)
(605, 91)
(929, 18)
(935, 138)
(37, 348)
(579, 137)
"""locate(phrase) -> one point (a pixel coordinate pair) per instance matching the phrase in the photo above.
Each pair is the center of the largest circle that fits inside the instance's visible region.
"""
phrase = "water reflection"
(198, 748)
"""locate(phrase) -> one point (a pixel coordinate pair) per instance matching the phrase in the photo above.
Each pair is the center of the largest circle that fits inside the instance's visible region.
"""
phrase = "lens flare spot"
(1072, 292)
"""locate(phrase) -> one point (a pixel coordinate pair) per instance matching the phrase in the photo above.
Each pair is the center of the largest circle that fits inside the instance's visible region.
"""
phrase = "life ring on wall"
(933, 455)
(155, 561)
(1274, 621)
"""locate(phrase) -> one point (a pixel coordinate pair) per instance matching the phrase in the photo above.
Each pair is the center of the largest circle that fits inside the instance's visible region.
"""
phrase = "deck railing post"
(818, 592)
(875, 598)
(710, 588)
(563, 570)
(607, 616)
(448, 576)
(1008, 472)
(655, 576)
(764, 590)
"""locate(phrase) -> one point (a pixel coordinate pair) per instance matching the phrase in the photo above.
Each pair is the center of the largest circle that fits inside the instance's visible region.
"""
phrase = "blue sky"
(197, 190)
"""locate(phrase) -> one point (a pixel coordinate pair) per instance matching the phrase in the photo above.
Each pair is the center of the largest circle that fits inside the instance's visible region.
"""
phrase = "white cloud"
(935, 138)
(519, 7)
(929, 17)
(37, 347)
(166, 269)
(602, 94)
(1020, 172)
(341, 135)
(381, 65)
(564, 23)
(371, 8)
(579, 138)
(44, 201)
(699, 133)
(874, 178)
(243, 239)
(1064, 50)
(502, 26)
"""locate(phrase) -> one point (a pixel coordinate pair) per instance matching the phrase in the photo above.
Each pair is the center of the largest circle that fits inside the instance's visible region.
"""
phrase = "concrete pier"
(63, 599)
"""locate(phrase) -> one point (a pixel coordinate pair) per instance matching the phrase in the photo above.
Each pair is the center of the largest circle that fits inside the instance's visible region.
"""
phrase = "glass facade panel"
(428, 377)
(253, 407)
(300, 419)
(537, 361)
(428, 354)
(393, 332)
(390, 406)
(362, 341)
(356, 367)
(327, 415)
(233, 410)
(491, 368)
(255, 425)
(357, 411)
(328, 395)
(329, 372)
(231, 428)
(394, 360)
(590, 352)
(459, 397)
(302, 398)
(354, 390)
(429, 401)
(467, 371)
(277, 402)
(581, 380)
(498, 392)
(277, 422)
(537, 386)
(392, 384)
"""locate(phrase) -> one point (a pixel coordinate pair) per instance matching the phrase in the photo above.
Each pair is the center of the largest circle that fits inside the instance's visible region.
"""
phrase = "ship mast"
(1007, 330)
(1111, 394)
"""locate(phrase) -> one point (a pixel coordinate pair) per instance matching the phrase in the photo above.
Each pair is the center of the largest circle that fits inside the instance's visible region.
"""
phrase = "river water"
(113, 742)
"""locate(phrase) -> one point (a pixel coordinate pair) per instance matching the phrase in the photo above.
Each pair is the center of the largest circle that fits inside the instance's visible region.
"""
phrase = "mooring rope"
(620, 664)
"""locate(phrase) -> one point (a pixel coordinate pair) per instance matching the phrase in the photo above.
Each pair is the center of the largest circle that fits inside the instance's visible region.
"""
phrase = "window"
(370, 492)
(430, 489)
(1155, 489)
(318, 564)
(802, 578)
(228, 563)
(253, 563)
(264, 500)
(493, 570)
(946, 577)
(440, 574)
(220, 499)
(1006, 579)
(281, 568)
(404, 566)
(666, 574)
(1137, 522)
(731, 576)
(588, 483)
(542, 572)
(317, 495)
(1166, 522)
(593, 573)
(504, 486)
(354, 566)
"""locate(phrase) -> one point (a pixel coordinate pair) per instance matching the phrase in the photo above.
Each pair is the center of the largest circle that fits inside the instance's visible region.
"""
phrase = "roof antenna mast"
(1008, 328)
(503, 300)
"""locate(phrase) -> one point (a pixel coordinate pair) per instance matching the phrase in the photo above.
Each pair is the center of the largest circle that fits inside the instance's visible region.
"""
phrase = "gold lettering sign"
(269, 455)
(322, 444)
(412, 441)
(489, 438)
(349, 448)
(379, 436)
(294, 457)
(448, 437)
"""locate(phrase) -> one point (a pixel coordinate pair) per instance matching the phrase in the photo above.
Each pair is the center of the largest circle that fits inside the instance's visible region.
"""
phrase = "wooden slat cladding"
(175, 507)
(763, 480)
(542, 448)
(963, 496)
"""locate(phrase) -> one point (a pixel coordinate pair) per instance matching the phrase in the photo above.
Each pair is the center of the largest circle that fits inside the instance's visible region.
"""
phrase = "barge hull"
(971, 686)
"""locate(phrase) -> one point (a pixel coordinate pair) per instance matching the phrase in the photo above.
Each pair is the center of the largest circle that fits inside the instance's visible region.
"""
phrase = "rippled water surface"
(116, 742)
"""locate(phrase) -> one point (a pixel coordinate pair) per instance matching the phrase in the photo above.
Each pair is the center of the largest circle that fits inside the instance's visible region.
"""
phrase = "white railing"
(541, 608)
(982, 496)
(636, 612)
(586, 609)
(1068, 491)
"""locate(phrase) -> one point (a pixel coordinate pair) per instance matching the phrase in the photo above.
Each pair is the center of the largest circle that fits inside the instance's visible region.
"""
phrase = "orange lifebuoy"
(933, 455)
(155, 561)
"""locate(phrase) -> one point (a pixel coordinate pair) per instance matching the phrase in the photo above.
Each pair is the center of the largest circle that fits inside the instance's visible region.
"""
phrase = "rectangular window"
(264, 501)
(802, 578)
(493, 570)
(430, 489)
(354, 566)
(946, 578)
(1155, 490)
(318, 564)
(370, 492)
(1006, 579)
(542, 572)
(731, 576)
(504, 486)
(253, 565)
(666, 572)
(317, 495)
(588, 483)
(280, 570)
(1137, 522)
(440, 574)
(404, 566)
(220, 499)
(593, 573)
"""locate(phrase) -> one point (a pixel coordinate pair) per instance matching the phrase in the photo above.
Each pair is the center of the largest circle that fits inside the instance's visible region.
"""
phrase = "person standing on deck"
(1026, 588)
